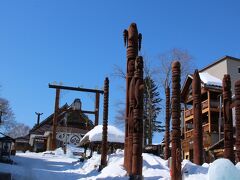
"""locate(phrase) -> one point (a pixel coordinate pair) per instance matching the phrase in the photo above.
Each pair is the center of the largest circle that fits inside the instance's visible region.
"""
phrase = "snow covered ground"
(57, 165)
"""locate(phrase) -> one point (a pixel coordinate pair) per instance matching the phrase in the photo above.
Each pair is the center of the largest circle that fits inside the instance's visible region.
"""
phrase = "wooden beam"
(75, 88)
(97, 109)
(209, 111)
(54, 127)
(88, 112)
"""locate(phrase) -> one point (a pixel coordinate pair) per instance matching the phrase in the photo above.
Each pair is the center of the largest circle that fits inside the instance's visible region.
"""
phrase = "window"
(238, 69)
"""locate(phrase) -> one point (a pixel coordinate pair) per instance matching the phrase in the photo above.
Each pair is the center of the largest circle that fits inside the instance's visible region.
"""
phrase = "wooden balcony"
(205, 128)
(188, 114)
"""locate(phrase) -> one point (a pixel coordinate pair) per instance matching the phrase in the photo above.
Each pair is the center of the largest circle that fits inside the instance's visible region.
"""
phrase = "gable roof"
(207, 80)
(218, 61)
(48, 119)
(46, 124)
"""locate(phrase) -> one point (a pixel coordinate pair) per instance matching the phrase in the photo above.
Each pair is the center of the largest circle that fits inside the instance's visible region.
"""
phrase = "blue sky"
(78, 42)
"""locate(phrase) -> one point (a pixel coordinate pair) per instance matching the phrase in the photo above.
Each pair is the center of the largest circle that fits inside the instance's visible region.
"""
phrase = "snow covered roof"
(114, 135)
(208, 79)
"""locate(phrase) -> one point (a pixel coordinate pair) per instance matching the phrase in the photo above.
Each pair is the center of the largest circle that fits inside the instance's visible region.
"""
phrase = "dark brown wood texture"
(197, 120)
(237, 115)
(176, 132)
(228, 123)
(105, 125)
(167, 122)
(54, 127)
(137, 119)
(131, 40)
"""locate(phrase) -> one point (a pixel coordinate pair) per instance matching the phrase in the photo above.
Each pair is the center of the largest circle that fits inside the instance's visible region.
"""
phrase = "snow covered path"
(60, 166)
(33, 166)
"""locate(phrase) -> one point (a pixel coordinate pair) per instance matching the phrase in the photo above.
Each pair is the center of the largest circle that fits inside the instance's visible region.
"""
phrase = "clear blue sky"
(78, 42)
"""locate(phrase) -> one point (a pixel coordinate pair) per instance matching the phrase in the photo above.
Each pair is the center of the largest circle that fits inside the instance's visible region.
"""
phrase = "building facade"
(212, 115)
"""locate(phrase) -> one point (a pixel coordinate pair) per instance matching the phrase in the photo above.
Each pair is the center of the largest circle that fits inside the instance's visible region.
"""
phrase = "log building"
(212, 115)
(71, 127)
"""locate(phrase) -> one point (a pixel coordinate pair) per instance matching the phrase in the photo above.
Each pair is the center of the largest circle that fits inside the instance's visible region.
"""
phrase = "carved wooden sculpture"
(105, 125)
(176, 132)
(133, 42)
(197, 120)
(137, 119)
(237, 115)
(167, 122)
(228, 123)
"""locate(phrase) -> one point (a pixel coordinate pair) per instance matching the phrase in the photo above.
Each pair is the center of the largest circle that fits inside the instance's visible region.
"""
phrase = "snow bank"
(57, 165)
(222, 169)
(192, 171)
(114, 135)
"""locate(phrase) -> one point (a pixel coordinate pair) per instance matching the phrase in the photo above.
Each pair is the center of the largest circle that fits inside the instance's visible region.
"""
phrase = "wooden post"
(176, 114)
(197, 120)
(228, 123)
(105, 126)
(133, 42)
(237, 116)
(54, 126)
(167, 122)
(97, 109)
(138, 120)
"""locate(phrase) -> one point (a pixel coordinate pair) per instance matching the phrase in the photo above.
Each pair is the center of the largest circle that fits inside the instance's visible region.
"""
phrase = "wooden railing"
(213, 104)
(189, 133)
(205, 128)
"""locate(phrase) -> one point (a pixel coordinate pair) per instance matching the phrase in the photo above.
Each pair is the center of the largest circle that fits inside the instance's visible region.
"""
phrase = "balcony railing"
(213, 104)
(205, 128)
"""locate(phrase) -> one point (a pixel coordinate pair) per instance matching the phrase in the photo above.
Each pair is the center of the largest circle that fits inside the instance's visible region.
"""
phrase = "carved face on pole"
(131, 67)
(139, 66)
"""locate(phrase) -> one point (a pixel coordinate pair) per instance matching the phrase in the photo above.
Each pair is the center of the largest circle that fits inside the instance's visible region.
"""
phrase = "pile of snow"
(209, 79)
(114, 135)
(222, 169)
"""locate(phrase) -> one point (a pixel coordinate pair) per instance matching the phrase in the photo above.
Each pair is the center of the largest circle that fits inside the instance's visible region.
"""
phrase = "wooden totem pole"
(197, 120)
(136, 93)
(133, 42)
(237, 115)
(176, 114)
(228, 123)
(167, 122)
(105, 125)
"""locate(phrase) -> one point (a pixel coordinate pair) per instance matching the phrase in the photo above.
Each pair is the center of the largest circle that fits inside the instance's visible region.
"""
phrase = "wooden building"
(211, 90)
(72, 125)
(212, 116)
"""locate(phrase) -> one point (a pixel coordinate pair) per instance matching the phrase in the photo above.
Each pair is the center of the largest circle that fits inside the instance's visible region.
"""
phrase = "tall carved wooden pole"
(167, 122)
(176, 132)
(197, 120)
(228, 123)
(105, 124)
(54, 126)
(237, 115)
(138, 120)
(133, 42)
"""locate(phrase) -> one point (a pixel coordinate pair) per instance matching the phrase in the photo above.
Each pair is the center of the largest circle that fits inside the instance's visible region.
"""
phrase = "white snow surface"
(56, 165)
(209, 79)
(114, 134)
